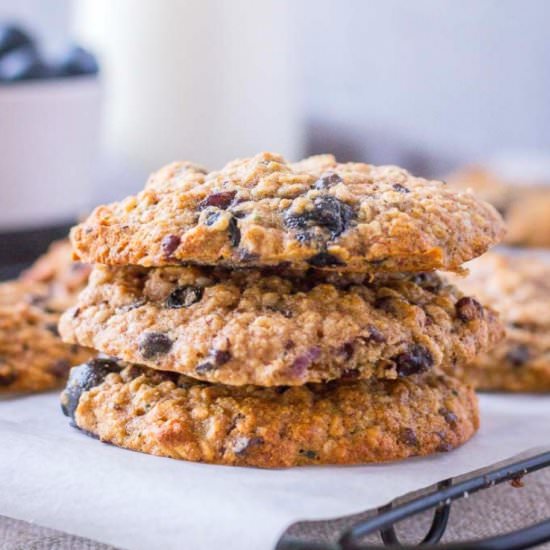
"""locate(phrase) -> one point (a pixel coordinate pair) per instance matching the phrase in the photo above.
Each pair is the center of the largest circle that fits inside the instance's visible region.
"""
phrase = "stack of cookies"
(276, 314)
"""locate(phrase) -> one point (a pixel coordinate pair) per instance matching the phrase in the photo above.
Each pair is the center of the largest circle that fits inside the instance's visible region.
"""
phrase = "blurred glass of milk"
(200, 80)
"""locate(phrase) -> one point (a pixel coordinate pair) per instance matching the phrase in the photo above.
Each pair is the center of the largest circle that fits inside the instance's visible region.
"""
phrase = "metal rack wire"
(440, 498)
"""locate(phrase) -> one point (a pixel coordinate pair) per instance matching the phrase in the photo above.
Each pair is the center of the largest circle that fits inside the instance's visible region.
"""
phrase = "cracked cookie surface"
(351, 422)
(518, 286)
(278, 327)
(264, 211)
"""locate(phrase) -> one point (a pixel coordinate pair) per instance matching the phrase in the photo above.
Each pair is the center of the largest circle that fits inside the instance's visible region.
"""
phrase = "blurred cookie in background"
(524, 201)
(64, 277)
(517, 285)
(32, 356)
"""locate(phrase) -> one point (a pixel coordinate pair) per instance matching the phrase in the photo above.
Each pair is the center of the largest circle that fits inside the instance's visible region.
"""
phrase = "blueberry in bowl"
(13, 37)
(21, 59)
(24, 63)
(77, 61)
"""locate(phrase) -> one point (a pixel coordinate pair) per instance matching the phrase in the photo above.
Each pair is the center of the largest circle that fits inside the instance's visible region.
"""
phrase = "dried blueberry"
(302, 362)
(77, 61)
(205, 367)
(169, 245)
(184, 296)
(328, 180)
(333, 214)
(518, 355)
(221, 357)
(22, 64)
(385, 303)
(417, 359)
(239, 214)
(449, 416)
(444, 446)
(324, 259)
(400, 188)
(234, 232)
(82, 379)
(309, 454)
(468, 309)
(212, 218)
(38, 300)
(7, 378)
(12, 37)
(408, 437)
(152, 344)
(52, 327)
(375, 335)
(216, 359)
(328, 213)
(221, 200)
(60, 368)
(76, 267)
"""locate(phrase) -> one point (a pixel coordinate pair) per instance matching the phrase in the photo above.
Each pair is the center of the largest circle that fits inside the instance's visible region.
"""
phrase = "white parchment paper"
(57, 477)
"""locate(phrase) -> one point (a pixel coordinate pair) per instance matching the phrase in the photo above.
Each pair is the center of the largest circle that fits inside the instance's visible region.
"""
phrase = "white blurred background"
(430, 84)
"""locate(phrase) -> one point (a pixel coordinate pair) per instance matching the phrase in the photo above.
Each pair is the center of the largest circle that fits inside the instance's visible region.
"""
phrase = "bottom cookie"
(352, 422)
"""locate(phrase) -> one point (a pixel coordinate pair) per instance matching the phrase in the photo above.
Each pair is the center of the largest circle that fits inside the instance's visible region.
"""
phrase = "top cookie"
(317, 212)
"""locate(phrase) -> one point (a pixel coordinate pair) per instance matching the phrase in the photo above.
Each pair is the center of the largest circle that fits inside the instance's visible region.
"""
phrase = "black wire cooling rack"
(440, 498)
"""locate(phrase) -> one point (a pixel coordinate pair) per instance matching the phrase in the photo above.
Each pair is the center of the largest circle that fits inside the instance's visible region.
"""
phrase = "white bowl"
(49, 132)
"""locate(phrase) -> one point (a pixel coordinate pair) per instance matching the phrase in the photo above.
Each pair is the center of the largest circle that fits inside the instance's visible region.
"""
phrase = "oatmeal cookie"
(32, 356)
(271, 327)
(64, 277)
(484, 184)
(351, 422)
(518, 286)
(528, 219)
(265, 211)
(524, 205)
